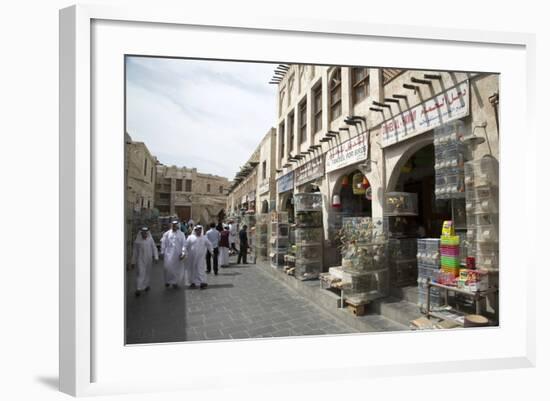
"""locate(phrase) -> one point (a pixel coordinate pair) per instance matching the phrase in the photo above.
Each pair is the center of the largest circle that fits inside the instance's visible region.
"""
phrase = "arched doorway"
(265, 206)
(354, 195)
(416, 174)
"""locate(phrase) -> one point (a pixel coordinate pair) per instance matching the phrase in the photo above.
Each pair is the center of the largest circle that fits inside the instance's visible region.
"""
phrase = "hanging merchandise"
(357, 182)
(366, 183)
(345, 181)
(449, 153)
(336, 201)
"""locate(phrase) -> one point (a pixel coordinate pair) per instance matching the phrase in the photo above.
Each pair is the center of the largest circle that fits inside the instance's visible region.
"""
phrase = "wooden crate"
(358, 309)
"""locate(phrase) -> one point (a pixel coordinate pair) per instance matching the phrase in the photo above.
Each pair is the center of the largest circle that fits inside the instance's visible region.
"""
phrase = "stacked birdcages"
(449, 160)
(400, 211)
(308, 235)
(262, 240)
(428, 258)
(364, 260)
(482, 212)
(279, 232)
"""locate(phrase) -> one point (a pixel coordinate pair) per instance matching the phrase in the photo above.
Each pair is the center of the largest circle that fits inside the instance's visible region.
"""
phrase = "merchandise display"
(402, 261)
(250, 220)
(279, 241)
(307, 236)
(428, 258)
(262, 239)
(401, 204)
(482, 212)
(449, 160)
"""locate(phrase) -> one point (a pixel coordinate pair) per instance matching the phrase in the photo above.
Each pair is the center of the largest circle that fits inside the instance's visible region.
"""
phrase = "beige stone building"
(140, 176)
(242, 195)
(187, 193)
(387, 144)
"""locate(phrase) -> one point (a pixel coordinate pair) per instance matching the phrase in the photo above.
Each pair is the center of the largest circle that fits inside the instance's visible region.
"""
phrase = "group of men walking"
(186, 258)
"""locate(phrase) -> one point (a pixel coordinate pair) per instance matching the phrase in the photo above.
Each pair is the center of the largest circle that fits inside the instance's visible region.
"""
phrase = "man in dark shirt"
(243, 249)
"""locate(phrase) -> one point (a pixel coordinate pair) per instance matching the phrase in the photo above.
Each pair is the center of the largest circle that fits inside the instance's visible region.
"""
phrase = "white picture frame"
(92, 363)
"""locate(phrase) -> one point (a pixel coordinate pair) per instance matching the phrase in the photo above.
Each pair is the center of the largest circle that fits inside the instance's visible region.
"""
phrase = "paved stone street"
(241, 302)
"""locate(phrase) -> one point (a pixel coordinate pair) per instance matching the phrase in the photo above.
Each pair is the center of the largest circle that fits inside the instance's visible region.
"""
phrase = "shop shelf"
(304, 202)
(309, 235)
(401, 203)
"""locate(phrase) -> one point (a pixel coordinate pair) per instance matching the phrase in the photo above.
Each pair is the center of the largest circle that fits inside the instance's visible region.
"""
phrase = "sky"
(198, 113)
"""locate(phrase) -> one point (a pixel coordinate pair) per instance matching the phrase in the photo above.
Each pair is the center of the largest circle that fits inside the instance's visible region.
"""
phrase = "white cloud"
(205, 114)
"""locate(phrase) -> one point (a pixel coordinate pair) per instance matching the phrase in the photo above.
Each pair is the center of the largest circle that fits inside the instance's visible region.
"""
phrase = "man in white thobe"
(172, 247)
(232, 237)
(196, 247)
(145, 251)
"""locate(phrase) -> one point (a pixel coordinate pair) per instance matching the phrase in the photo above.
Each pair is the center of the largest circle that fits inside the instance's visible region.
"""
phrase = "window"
(282, 138)
(207, 187)
(317, 108)
(148, 204)
(164, 196)
(188, 185)
(179, 185)
(264, 170)
(281, 100)
(359, 84)
(335, 88)
(145, 170)
(388, 74)
(291, 132)
(221, 189)
(290, 89)
(152, 174)
(302, 109)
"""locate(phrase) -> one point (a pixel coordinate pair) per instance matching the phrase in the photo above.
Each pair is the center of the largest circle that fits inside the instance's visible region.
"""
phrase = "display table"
(452, 315)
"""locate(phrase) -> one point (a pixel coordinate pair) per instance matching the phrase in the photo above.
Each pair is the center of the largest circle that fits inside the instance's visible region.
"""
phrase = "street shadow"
(231, 274)
(50, 382)
(220, 286)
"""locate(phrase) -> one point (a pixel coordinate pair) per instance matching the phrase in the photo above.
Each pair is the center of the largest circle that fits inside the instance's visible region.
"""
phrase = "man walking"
(213, 236)
(172, 247)
(145, 251)
(224, 247)
(196, 247)
(232, 236)
(243, 248)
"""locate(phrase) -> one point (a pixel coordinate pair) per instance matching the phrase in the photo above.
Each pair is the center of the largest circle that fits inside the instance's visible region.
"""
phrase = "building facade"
(187, 193)
(140, 176)
(355, 133)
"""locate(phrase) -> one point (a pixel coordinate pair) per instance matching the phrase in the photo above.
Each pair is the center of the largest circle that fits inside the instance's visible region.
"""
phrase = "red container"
(471, 262)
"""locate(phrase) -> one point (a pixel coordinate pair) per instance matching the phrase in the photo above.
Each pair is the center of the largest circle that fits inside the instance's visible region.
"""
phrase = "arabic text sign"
(450, 105)
(309, 171)
(349, 152)
(286, 182)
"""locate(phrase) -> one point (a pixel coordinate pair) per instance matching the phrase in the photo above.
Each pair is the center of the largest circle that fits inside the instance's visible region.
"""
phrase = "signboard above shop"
(285, 183)
(349, 152)
(309, 171)
(450, 105)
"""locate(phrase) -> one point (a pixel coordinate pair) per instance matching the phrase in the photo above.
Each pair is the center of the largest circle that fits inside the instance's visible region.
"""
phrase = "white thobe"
(232, 233)
(223, 256)
(195, 250)
(173, 246)
(145, 251)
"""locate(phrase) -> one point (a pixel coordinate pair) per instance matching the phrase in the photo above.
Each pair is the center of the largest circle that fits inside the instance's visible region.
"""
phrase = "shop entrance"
(417, 175)
(354, 194)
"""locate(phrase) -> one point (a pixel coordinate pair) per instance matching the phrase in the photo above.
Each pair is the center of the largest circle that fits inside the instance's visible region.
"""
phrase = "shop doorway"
(417, 175)
(354, 195)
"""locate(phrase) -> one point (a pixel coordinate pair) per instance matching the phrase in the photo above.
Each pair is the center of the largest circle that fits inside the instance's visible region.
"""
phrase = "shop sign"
(310, 171)
(285, 183)
(349, 152)
(264, 187)
(448, 106)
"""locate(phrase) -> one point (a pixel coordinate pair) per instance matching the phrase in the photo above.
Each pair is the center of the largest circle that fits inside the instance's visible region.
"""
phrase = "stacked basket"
(449, 249)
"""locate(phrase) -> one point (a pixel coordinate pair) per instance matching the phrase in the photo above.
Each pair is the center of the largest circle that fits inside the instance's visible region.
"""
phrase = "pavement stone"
(240, 302)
